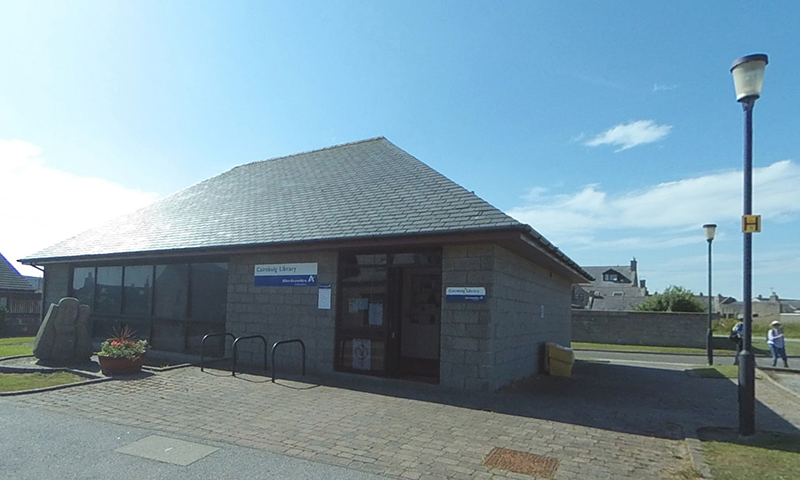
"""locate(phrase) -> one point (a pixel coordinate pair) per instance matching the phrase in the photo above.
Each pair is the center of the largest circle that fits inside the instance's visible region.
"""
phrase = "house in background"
(36, 282)
(380, 264)
(21, 302)
(615, 288)
(765, 309)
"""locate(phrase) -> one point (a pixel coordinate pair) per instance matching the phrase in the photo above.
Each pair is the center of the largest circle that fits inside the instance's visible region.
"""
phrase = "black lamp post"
(710, 230)
(748, 78)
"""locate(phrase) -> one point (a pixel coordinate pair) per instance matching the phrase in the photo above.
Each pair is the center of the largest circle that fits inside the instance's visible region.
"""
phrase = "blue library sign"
(465, 294)
(286, 275)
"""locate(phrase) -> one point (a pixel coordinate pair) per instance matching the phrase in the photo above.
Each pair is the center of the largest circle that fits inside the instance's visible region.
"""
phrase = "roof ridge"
(347, 144)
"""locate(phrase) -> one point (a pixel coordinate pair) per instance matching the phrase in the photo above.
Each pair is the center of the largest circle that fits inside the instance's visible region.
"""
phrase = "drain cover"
(521, 462)
(168, 450)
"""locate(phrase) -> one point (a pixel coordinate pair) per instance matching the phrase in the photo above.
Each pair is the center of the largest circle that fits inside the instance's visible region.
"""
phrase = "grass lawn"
(722, 347)
(718, 371)
(14, 382)
(636, 348)
(765, 456)
(16, 346)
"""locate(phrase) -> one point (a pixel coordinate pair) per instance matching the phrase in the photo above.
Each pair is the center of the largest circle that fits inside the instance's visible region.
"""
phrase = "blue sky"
(611, 127)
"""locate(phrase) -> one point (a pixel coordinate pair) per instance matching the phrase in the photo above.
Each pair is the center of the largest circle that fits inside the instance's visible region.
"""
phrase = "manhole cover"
(521, 462)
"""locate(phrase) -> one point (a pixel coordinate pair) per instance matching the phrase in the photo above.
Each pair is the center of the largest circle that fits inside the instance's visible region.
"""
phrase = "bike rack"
(203, 345)
(235, 342)
(294, 340)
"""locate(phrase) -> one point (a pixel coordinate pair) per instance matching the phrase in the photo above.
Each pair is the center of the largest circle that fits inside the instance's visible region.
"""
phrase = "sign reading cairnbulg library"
(465, 294)
(286, 275)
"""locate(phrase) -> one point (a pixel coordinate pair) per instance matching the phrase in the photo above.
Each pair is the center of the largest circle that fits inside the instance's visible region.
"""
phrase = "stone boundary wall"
(663, 329)
(20, 325)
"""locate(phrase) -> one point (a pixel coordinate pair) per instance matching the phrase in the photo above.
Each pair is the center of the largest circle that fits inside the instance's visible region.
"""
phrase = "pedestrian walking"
(737, 337)
(777, 343)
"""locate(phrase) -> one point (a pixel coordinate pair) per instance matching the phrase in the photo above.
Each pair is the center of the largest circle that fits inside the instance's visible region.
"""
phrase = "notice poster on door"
(362, 354)
(376, 314)
(324, 298)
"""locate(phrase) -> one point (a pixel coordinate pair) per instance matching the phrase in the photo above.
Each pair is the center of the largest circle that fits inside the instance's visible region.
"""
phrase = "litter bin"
(560, 360)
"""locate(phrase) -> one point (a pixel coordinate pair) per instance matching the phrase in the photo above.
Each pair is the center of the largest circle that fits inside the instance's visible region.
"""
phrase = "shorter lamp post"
(710, 229)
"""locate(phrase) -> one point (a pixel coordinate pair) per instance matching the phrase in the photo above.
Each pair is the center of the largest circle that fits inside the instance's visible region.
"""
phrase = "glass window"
(172, 291)
(138, 290)
(209, 289)
(83, 285)
(109, 290)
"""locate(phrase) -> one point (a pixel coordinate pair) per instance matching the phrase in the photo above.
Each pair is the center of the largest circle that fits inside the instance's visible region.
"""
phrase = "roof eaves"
(553, 250)
(223, 249)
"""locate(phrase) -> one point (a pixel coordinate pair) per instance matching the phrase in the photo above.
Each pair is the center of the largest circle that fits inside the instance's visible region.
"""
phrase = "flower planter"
(111, 366)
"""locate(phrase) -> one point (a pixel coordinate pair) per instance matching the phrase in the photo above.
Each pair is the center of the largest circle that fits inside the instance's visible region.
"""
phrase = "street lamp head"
(748, 76)
(711, 229)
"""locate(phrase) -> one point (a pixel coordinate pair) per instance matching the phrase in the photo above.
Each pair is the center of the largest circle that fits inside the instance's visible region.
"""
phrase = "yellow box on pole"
(751, 223)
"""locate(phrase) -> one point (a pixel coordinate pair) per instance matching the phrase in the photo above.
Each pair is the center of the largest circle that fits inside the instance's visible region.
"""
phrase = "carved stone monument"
(65, 336)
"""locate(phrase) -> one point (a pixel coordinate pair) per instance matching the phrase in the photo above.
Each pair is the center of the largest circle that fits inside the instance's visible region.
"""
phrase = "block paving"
(607, 422)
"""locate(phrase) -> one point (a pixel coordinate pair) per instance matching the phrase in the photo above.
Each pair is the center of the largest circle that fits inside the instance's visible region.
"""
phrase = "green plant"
(123, 345)
(674, 299)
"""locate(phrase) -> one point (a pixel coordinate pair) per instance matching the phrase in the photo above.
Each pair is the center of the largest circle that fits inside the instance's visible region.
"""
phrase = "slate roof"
(597, 273)
(363, 189)
(10, 278)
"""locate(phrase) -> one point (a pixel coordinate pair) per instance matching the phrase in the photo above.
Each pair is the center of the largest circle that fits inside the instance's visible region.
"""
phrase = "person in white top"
(777, 344)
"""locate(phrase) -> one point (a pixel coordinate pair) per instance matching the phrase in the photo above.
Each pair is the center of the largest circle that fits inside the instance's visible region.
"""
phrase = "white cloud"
(662, 87)
(43, 206)
(629, 135)
(665, 211)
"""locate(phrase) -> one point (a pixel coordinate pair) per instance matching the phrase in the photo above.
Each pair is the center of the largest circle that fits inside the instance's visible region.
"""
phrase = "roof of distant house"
(361, 190)
(10, 278)
(597, 272)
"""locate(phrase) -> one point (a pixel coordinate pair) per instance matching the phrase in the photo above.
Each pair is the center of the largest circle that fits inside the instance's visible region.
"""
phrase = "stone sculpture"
(65, 335)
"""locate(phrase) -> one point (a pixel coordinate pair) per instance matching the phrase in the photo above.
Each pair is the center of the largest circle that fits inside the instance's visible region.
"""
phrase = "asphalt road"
(38, 444)
(634, 358)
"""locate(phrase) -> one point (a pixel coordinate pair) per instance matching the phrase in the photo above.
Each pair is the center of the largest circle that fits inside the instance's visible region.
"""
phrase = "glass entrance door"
(420, 322)
(362, 327)
(389, 309)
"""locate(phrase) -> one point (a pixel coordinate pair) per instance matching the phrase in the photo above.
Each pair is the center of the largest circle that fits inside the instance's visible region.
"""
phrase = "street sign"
(751, 223)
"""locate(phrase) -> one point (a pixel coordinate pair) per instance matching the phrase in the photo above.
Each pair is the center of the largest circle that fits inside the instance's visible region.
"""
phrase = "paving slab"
(608, 421)
(167, 450)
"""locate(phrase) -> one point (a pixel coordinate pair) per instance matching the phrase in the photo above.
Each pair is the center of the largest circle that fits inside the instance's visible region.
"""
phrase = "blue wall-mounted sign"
(465, 294)
(286, 275)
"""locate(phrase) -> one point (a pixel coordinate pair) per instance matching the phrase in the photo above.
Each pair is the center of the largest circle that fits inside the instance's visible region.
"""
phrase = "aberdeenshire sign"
(286, 275)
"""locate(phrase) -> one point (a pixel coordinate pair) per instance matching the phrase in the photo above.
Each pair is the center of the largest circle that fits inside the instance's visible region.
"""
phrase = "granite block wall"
(531, 307)
(490, 344)
(282, 313)
(467, 360)
(56, 284)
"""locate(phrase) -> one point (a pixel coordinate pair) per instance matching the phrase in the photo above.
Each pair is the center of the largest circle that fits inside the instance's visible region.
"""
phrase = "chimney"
(633, 265)
(642, 283)
(774, 297)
